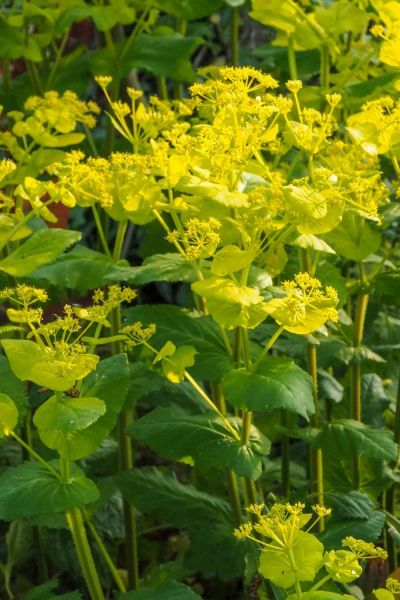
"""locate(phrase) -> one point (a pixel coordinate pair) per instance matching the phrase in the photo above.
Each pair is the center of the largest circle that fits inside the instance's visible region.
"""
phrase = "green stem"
(40, 555)
(268, 346)
(91, 141)
(325, 69)
(205, 397)
(396, 166)
(231, 478)
(181, 28)
(84, 553)
(359, 322)
(106, 556)
(119, 240)
(100, 231)
(285, 462)
(251, 492)
(34, 76)
(235, 36)
(59, 54)
(317, 470)
(33, 453)
(234, 497)
(162, 88)
(125, 444)
(292, 59)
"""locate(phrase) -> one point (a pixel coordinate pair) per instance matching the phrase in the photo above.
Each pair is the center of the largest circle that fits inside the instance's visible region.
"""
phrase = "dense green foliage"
(199, 283)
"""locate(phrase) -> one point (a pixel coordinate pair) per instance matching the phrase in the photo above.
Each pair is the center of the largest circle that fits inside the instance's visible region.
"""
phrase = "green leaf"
(165, 56)
(213, 547)
(352, 505)
(329, 387)
(12, 386)
(382, 594)
(30, 489)
(230, 259)
(171, 590)
(174, 366)
(8, 415)
(181, 504)
(80, 269)
(109, 383)
(66, 414)
(230, 304)
(178, 435)
(46, 592)
(276, 383)
(190, 329)
(159, 267)
(41, 248)
(29, 362)
(189, 10)
(347, 438)
(355, 238)
(368, 530)
(307, 556)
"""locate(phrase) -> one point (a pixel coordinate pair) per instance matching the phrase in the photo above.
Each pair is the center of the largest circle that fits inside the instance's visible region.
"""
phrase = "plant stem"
(359, 321)
(316, 455)
(285, 462)
(125, 443)
(34, 454)
(40, 555)
(77, 528)
(181, 28)
(106, 556)
(231, 478)
(56, 63)
(235, 36)
(292, 59)
(325, 69)
(162, 88)
(100, 231)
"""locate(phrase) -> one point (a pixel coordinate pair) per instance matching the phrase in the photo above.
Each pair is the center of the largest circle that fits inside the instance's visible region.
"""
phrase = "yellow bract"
(306, 307)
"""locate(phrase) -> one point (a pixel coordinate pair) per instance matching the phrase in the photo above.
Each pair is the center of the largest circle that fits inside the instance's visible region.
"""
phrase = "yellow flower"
(306, 306)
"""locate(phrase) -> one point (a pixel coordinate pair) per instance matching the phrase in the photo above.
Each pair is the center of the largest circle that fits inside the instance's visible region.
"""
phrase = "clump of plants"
(214, 337)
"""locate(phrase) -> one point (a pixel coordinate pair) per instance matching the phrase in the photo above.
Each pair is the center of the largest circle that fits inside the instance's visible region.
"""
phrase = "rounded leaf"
(8, 415)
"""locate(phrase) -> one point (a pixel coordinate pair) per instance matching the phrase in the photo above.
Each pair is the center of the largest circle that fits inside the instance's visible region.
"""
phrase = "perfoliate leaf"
(307, 556)
(230, 259)
(8, 415)
(275, 383)
(109, 384)
(205, 438)
(30, 362)
(231, 305)
(66, 414)
(30, 489)
(175, 365)
(41, 248)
